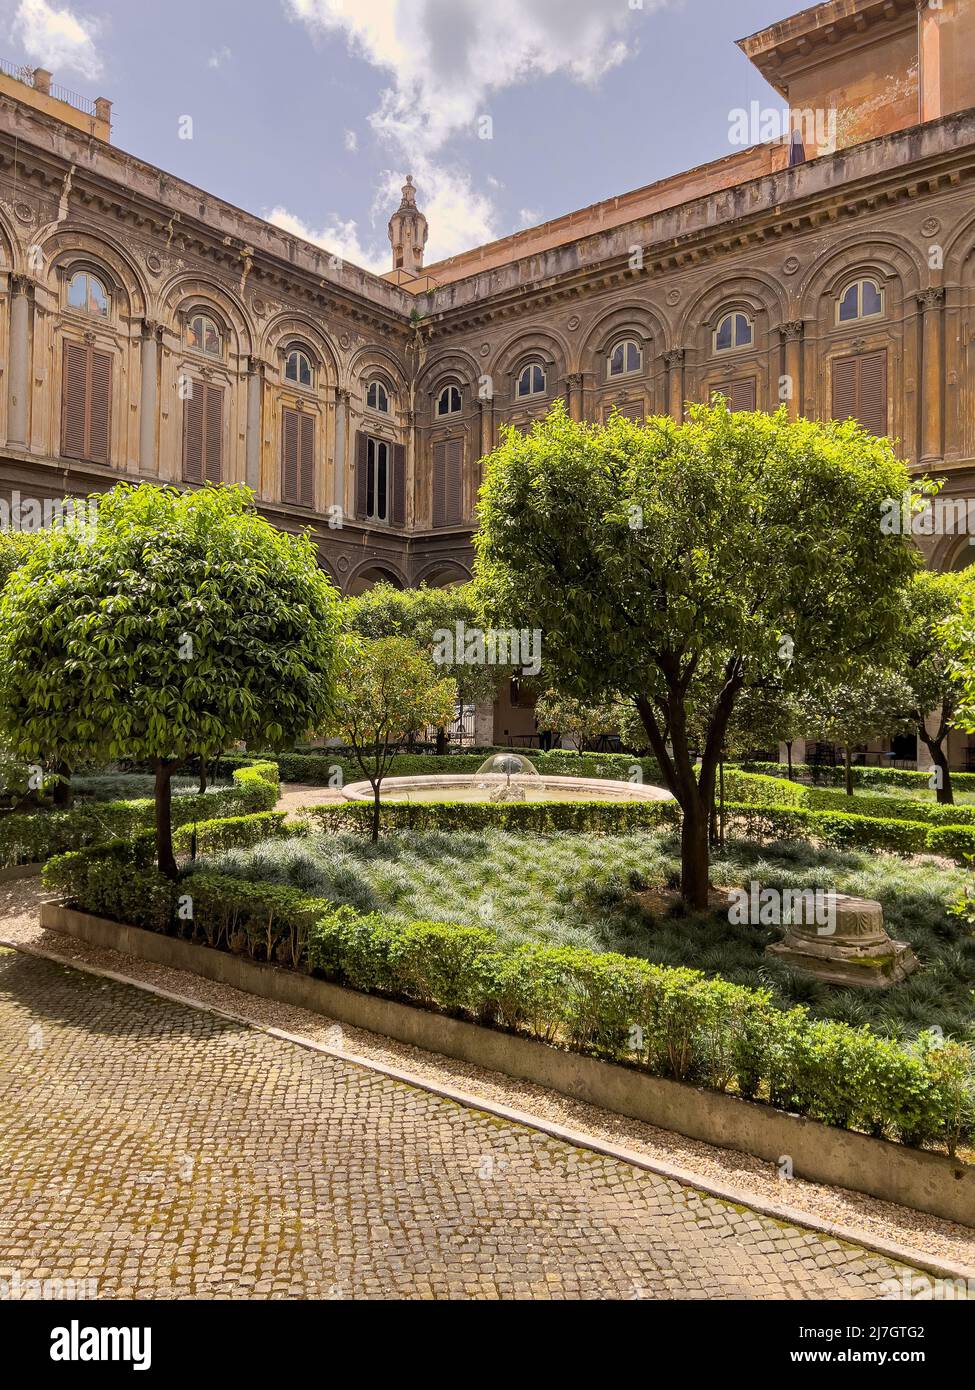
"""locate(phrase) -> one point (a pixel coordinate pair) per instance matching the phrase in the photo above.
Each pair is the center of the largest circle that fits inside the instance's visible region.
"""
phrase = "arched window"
(531, 382)
(203, 335)
(377, 397)
(625, 357)
(87, 293)
(864, 299)
(297, 367)
(449, 402)
(733, 331)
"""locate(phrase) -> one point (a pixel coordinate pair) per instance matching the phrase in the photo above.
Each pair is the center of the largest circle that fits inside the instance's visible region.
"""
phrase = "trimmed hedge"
(822, 774)
(674, 1023)
(33, 838)
(606, 817)
(886, 807)
(318, 769)
(852, 831)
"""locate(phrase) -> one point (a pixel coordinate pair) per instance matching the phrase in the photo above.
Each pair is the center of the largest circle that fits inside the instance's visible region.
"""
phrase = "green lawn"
(578, 890)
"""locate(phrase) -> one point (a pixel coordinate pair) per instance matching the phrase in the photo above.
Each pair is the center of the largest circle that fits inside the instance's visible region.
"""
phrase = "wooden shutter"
(860, 390)
(203, 433)
(399, 485)
(630, 410)
(873, 392)
(213, 434)
(306, 460)
(290, 428)
(193, 418)
(740, 393)
(361, 474)
(440, 483)
(74, 399)
(100, 407)
(845, 388)
(455, 482)
(86, 403)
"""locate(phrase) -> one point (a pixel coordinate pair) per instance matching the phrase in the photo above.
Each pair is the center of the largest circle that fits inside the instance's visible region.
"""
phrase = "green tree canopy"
(387, 689)
(678, 564)
(936, 684)
(871, 701)
(180, 623)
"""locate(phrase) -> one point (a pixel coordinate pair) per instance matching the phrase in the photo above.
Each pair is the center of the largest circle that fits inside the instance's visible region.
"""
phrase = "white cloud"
(339, 237)
(217, 60)
(57, 39)
(529, 217)
(447, 59)
(351, 141)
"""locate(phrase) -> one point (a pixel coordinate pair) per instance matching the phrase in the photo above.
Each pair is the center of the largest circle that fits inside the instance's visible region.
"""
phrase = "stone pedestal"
(853, 949)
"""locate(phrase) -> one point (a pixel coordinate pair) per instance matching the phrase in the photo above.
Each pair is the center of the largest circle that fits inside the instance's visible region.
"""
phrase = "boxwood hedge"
(674, 1023)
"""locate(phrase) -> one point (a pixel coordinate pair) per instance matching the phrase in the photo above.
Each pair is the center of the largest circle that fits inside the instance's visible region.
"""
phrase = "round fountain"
(504, 777)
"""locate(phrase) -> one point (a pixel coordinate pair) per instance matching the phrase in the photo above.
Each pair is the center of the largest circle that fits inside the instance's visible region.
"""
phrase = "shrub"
(318, 769)
(35, 837)
(673, 1022)
(231, 832)
(540, 816)
(879, 777)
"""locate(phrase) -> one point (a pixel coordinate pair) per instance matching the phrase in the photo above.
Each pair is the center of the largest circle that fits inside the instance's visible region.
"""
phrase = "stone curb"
(917, 1259)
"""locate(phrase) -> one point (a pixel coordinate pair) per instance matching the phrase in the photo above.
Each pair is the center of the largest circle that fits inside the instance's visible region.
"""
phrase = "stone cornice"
(883, 173)
(159, 206)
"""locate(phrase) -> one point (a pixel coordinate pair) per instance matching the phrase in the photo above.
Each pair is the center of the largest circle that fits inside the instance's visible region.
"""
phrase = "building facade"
(149, 331)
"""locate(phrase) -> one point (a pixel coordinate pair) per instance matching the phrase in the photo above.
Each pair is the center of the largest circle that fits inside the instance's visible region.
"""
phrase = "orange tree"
(178, 623)
(681, 564)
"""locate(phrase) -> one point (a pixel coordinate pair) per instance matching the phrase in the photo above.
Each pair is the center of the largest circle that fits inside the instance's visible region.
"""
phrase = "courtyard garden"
(699, 589)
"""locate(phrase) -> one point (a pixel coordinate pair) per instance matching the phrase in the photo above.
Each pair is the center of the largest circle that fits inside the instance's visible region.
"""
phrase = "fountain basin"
(475, 787)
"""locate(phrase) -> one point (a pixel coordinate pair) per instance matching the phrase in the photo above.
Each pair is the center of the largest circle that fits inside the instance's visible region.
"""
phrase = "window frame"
(377, 385)
(201, 351)
(90, 275)
(447, 390)
(373, 460)
(299, 350)
(859, 317)
(734, 345)
(624, 343)
(532, 393)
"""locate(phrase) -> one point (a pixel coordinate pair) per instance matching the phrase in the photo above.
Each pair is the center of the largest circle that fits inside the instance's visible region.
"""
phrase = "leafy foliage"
(674, 563)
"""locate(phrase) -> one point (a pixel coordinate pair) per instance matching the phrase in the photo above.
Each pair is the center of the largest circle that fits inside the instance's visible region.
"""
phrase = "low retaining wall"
(928, 1182)
(20, 871)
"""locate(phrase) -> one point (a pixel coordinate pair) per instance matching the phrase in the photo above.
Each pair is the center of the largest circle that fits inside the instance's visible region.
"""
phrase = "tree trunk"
(61, 791)
(788, 757)
(944, 792)
(441, 742)
(203, 775)
(694, 875)
(165, 858)
(375, 812)
(848, 765)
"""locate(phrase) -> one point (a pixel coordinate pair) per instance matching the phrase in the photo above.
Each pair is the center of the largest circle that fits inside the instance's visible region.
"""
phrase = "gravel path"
(886, 1221)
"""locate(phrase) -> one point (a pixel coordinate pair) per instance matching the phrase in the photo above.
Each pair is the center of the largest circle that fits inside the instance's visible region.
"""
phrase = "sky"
(310, 112)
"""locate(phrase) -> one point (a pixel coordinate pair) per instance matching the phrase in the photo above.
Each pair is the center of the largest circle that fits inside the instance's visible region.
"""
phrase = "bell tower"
(408, 232)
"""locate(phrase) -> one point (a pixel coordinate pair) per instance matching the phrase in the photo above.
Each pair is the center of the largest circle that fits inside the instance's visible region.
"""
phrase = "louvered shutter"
(86, 403)
(193, 412)
(289, 455)
(213, 434)
(99, 406)
(845, 389)
(740, 394)
(361, 474)
(74, 399)
(631, 410)
(399, 484)
(873, 392)
(306, 460)
(440, 483)
(454, 504)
